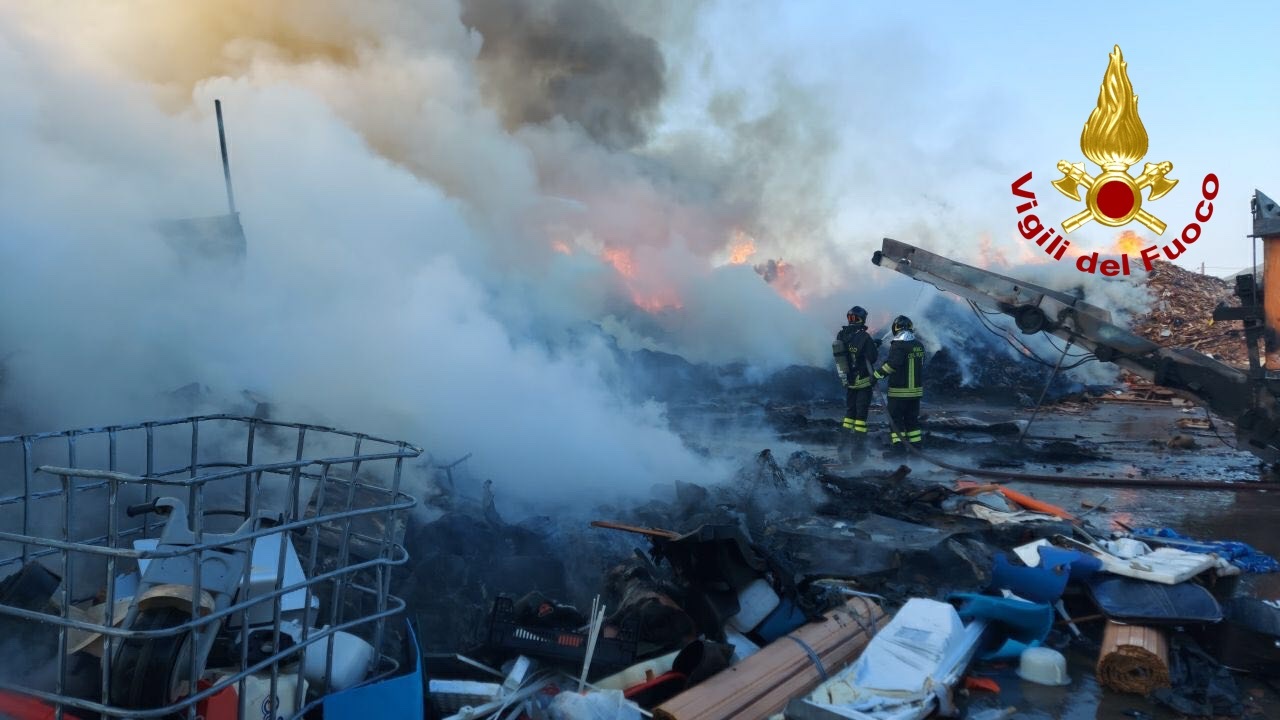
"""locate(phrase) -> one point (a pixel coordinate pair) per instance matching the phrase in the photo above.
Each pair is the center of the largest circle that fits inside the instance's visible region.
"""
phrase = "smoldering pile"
(465, 554)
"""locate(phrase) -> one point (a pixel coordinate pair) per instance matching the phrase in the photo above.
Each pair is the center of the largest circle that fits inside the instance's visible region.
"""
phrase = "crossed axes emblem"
(1119, 188)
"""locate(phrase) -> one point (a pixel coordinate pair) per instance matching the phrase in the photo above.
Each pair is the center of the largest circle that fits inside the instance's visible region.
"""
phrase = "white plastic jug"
(755, 602)
(351, 659)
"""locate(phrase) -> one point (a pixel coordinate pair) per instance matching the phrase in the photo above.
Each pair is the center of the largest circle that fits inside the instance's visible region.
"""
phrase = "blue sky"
(1014, 83)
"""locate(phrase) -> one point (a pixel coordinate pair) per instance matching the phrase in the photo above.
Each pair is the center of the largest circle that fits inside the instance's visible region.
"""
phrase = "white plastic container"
(351, 659)
(1044, 666)
(755, 602)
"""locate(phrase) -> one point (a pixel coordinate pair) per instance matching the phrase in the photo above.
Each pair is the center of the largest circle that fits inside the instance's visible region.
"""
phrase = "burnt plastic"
(566, 645)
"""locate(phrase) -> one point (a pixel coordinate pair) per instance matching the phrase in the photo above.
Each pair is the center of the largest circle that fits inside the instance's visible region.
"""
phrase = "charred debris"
(799, 588)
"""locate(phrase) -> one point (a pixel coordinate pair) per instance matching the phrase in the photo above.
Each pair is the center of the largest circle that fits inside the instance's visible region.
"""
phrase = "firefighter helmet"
(902, 322)
(857, 315)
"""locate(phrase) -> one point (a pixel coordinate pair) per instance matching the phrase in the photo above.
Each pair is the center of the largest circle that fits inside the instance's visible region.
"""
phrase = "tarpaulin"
(1239, 554)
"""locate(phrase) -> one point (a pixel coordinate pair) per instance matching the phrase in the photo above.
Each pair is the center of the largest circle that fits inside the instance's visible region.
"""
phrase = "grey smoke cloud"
(432, 241)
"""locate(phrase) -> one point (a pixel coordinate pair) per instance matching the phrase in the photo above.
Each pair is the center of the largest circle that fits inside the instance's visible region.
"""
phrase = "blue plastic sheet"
(1239, 554)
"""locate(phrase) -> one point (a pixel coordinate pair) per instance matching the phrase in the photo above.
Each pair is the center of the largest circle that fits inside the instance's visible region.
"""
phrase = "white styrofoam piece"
(1168, 566)
(1030, 553)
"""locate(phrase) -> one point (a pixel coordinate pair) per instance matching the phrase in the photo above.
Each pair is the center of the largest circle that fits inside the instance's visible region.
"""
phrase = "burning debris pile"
(781, 593)
(1181, 314)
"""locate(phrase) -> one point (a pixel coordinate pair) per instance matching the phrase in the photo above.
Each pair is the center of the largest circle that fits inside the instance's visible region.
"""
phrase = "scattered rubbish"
(1240, 554)
(1134, 659)
(743, 648)
(638, 674)
(1013, 625)
(1248, 638)
(980, 684)
(602, 705)
(1125, 548)
(1023, 500)
(756, 602)
(1138, 601)
(347, 656)
(787, 668)
(449, 697)
(1043, 666)
(178, 598)
(785, 618)
(1040, 583)
(908, 669)
(701, 659)
(563, 644)
(1163, 565)
(1199, 686)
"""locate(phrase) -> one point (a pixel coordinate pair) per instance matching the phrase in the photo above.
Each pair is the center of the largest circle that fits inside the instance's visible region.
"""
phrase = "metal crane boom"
(1230, 392)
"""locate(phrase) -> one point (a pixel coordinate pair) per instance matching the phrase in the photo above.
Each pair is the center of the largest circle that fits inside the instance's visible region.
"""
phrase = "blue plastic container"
(400, 696)
(785, 618)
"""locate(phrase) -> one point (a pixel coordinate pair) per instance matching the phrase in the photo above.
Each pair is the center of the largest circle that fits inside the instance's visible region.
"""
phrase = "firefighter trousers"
(905, 416)
(857, 405)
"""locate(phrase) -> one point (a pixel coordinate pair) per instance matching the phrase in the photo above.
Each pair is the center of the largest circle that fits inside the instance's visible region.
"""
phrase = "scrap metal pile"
(801, 594)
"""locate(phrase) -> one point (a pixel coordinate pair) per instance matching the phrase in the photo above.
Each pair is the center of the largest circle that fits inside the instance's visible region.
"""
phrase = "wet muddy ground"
(1129, 441)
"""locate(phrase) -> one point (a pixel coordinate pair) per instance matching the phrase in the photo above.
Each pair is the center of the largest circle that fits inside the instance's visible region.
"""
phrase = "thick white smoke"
(371, 297)
(444, 203)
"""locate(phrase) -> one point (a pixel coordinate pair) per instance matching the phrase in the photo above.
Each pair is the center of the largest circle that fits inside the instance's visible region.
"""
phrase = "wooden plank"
(760, 686)
(650, 532)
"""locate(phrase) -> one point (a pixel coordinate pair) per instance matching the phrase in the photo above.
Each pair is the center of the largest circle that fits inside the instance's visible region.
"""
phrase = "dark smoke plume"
(574, 59)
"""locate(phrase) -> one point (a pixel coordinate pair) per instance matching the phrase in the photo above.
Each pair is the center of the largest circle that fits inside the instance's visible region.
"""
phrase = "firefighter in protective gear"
(855, 354)
(905, 370)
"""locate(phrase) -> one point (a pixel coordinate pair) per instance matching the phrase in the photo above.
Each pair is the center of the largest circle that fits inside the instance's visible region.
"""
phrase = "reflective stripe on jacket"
(904, 368)
(860, 352)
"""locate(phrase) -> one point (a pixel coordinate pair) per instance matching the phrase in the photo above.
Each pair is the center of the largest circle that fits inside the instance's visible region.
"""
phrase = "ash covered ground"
(792, 498)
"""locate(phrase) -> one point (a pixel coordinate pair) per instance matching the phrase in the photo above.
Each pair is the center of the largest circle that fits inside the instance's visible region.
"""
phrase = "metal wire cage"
(72, 552)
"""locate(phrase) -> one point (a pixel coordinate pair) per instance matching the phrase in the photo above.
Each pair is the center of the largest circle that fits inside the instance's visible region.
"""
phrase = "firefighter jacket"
(855, 354)
(905, 367)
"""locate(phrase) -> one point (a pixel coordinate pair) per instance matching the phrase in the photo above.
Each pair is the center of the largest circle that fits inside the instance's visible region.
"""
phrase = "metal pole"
(1044, 392)
(226, 164)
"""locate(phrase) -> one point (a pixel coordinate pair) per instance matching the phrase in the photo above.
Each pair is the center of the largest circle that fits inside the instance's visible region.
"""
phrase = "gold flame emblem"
(1114, 139)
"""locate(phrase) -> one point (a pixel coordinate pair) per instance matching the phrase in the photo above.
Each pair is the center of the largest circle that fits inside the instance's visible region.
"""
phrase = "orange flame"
(642, 294)
(657, 302)
(621, 260)
(561, 247)
(742, 249)
(1128, 243)
(990, 254)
